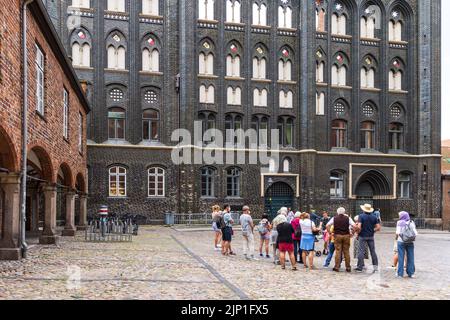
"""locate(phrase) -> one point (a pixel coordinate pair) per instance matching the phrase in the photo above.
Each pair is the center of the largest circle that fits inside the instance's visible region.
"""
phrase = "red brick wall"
(45, 132)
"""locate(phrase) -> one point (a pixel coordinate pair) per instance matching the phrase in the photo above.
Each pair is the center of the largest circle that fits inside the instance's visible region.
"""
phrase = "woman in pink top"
(296, 224)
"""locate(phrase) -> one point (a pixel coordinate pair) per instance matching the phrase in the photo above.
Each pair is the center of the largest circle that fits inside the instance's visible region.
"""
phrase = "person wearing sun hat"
(368, 225)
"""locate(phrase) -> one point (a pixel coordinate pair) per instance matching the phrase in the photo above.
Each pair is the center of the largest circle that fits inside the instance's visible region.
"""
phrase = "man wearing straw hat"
(368, 225)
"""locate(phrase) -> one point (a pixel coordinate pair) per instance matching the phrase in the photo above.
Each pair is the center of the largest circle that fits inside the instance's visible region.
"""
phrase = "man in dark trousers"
(368, 225)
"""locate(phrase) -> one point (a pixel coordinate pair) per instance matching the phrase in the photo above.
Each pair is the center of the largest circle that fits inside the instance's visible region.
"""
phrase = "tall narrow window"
(259, 14)
(286, 99)
(156, 182)
(150, 60)
(395, 80)
(259, 68)
(367, 135)
(339, 75)
(207, 94)
(260, 98)
(206, 63)
(368, 27)
(116, 57)
(150, 7)
(404, 185)
(40, 81)
(395, 30)
(396, 136)
(233, 66)
(286, 131)
(150, 125)
(339, 24)
(284, 17)
(116, 124)
(208, 179)
(336, 185)
(65, 114)
(320, 71)
(234, 182)
(320, 19)
(233, 11)
(320, 104)
(286, 165)
(339, 134)
(117, 182)
(206, 9)
(80, 132)
(284, 70)
(234, 96)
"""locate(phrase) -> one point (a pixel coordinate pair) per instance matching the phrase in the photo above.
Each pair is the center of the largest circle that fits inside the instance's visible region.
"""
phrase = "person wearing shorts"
(286, 244)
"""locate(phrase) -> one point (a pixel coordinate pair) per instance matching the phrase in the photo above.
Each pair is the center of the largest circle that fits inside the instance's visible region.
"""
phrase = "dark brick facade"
(180, 37)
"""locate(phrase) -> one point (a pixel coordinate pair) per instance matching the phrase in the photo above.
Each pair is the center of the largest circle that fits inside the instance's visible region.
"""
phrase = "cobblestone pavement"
(164, 263)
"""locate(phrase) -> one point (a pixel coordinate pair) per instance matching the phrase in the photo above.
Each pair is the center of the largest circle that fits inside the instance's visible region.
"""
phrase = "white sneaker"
(219, 246)
(217, 249)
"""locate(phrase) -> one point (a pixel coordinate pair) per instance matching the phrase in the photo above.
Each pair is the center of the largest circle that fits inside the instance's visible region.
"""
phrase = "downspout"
(23, 185)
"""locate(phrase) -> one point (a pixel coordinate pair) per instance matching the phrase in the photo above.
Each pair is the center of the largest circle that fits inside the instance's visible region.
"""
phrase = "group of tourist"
(293, 236)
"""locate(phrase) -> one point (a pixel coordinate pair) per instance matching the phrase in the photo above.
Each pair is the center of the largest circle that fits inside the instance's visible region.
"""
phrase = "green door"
(278, 195)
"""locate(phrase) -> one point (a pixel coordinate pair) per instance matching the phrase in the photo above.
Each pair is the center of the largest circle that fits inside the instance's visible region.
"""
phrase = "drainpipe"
(23, 185)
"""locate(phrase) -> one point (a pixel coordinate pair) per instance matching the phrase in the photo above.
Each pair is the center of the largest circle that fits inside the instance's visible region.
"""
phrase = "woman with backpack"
(264, 233)
(296, 236)
(407, 233)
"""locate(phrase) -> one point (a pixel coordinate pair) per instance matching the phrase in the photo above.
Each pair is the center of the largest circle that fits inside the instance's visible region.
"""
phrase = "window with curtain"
(260, 97)
(284, 17)
(233, 66)
(207, 94)
(284, 70)
(338, 24)
(206, 9)
(286, 99)
(259, 68)
(150, 7)
(116, 5)
(259, 14)
(233, 11)
(117, 182)
(234, 96)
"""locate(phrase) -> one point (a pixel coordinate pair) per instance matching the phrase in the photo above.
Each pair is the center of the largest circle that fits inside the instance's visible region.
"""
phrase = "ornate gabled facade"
(353, 86)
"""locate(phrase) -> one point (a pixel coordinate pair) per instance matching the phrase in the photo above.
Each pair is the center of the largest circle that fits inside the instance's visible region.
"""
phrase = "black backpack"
(298, 232)
(220, 222)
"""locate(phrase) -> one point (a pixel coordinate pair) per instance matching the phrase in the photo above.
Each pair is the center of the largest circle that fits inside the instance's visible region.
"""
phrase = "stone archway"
(374, 188)
(278, 195)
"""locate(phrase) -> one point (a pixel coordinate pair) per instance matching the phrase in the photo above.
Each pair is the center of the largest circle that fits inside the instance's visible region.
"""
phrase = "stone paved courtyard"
(164, 263)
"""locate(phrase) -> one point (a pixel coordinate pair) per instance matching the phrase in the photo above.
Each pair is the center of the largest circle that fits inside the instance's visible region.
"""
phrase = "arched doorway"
(278, 195)
(374, 188)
